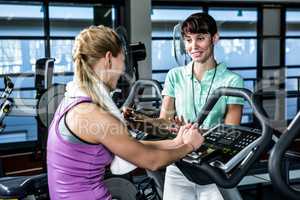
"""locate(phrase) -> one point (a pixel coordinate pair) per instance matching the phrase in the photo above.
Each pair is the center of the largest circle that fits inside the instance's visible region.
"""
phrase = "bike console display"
(225, 146)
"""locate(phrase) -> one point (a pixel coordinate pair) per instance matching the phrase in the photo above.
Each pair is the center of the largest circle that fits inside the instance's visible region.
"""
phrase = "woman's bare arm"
(99, 127)
(233, 114)
(167, 108)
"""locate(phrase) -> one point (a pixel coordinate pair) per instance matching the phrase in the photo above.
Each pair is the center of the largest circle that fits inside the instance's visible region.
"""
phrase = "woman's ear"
(108, 57)
(216, 38)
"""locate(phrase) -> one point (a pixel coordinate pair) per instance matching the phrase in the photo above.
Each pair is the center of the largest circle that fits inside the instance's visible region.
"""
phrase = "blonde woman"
(88, 130)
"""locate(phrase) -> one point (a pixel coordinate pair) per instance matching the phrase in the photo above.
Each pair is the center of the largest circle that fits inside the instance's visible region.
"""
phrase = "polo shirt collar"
(221, 67)
(188, 69)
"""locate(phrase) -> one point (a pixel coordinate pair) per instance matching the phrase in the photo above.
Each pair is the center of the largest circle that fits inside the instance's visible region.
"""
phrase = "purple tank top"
(75, 171)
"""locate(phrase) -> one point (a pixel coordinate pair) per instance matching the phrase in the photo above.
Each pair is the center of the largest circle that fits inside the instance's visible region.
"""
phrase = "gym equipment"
(279, 160)
(17, 187)
(21, 187)
(133, 99)
(48, 102)
(137, 118)
(28, 187)
(138, 128)
(147, 128)
(43, 81)
(6, 102)
(121, 188)
(180, 54)
(228, 151)
(226, 145)
(133, 53)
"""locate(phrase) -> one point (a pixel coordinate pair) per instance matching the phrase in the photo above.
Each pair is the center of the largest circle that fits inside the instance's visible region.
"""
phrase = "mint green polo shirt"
(178, 84)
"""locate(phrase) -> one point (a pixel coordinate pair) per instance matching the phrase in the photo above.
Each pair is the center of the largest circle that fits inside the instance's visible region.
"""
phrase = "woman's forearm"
(163, 144)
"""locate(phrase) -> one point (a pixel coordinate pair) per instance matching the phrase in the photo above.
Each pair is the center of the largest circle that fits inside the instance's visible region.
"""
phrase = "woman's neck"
(105, 85)
(200, 68)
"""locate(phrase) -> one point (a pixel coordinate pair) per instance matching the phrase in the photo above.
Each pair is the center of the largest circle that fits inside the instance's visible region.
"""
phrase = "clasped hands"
(189, 134)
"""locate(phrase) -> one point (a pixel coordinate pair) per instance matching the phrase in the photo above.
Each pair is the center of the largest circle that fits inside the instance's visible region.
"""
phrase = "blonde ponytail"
(91, 45)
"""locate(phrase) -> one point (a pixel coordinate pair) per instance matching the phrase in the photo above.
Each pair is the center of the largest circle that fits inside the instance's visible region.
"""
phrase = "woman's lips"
(196, 54)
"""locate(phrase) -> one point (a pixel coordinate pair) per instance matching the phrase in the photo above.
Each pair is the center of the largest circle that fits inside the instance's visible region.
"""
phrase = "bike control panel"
(226, 146)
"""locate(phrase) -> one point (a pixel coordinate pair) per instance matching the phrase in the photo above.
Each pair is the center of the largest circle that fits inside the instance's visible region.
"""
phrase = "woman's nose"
(194, 44)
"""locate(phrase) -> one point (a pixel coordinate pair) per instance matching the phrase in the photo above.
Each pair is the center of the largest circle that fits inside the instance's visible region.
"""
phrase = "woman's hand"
(191, 135)
(152, 126)
(179, 120)
(176, 123)
(178, 140)
(127, 112)
(179, 137)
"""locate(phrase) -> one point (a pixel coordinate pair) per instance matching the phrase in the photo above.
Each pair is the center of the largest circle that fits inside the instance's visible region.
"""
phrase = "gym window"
(33, 30)
(292, 62)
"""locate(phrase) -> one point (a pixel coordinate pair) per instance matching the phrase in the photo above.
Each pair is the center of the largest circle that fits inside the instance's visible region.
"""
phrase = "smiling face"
(200, 33)
(200, 46)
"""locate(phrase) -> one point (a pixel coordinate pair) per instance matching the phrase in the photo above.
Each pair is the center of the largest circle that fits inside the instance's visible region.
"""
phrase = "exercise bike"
(228, 151)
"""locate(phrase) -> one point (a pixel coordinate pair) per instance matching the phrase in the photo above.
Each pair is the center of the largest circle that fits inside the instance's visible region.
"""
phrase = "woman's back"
(75, 171)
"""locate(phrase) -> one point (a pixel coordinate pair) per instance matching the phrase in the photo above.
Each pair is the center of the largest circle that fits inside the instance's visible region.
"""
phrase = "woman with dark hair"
(187, 89)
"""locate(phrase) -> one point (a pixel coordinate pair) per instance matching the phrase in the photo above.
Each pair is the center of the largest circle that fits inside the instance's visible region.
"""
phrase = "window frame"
(118, 5)
(291, 93)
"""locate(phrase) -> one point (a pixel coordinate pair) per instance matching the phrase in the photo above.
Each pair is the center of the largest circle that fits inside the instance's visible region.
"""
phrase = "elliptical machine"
(282, 158)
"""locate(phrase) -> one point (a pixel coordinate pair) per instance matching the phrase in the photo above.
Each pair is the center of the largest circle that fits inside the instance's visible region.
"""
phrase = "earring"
(108, 64)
